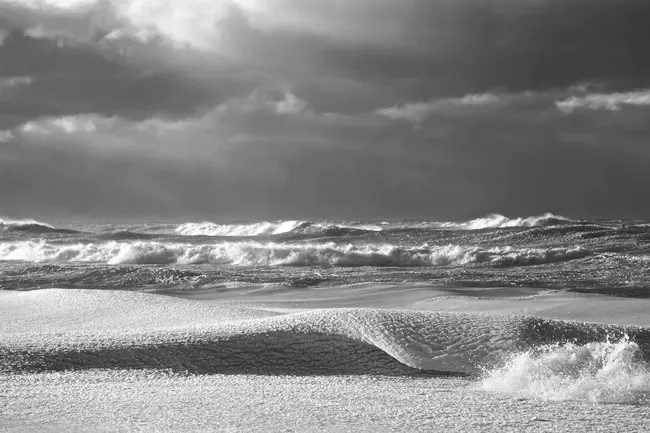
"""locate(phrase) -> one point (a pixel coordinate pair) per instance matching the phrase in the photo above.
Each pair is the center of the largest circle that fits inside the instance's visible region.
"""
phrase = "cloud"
(199, 24)
(68, 124)
(6, 136)
(13, 82)
(71, 20)
(266, 113)
(209, 25)
(283, 108)
(417, 112)
(605, 101)
(72, 79)
(271, 154)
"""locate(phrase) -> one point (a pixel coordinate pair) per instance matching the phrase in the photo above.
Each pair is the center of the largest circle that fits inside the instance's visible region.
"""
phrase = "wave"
(294, 228)
(31, 226)
(602, 372)
(254, 229)
(328, 228)
(520, 353)
(125, 235)
(287, 254)
(496, 221)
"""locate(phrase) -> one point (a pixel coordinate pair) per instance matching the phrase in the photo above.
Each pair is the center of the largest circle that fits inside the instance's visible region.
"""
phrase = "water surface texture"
(491, 312)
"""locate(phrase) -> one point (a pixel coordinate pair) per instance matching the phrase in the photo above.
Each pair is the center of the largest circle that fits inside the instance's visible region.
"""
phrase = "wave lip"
(497, 221)
(253, 229)
(31, 226)
(252, 253)
(25, 225)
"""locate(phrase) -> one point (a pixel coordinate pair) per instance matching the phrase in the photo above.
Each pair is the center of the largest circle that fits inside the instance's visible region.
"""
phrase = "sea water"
(138, 326)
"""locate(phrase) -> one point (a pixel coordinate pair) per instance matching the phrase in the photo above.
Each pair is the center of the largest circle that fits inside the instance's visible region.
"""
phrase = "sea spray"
(601, 372)
(253, 229)
(252, 253)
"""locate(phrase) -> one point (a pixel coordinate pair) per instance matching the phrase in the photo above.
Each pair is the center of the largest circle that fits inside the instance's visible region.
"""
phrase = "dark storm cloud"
(346, 57)
(451, 48)
(357, 109)
(75, 78)
(272, 156)
(471, 46)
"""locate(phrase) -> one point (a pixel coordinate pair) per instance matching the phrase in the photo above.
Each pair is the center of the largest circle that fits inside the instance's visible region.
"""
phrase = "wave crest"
(254, 229)
(497, 221)
(25, 225)
(287, 254)
(602, 372)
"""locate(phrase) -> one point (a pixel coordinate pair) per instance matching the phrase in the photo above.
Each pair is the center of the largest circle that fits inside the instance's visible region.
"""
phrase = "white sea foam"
(603, 372)
(253, 229)
(499, 221)
(278, 227)
(271, 253)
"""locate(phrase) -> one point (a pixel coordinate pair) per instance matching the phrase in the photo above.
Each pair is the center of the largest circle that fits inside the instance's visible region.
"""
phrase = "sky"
(294, 109)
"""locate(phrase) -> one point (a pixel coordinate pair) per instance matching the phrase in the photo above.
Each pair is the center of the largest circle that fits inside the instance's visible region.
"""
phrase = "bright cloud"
(265, 115)
(210, 24)
(68, 124)
(605, 101)
(419, 111)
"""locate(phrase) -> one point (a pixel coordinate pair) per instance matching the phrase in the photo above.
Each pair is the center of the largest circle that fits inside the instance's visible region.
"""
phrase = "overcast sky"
(268, 109)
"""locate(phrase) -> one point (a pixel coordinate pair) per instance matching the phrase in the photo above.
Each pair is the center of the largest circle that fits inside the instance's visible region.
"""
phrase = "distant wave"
(266, 228)
(274, 254)
(311, 229)
(31, 226)
(253, 229)
(496, 221)
(125, 235)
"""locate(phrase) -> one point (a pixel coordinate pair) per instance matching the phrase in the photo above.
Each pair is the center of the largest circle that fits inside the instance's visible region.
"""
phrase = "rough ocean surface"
(523, 324)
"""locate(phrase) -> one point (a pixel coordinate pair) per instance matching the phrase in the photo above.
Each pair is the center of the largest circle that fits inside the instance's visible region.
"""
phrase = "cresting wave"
(538, 358)
(292, 227)
(25, 225)
(493, 221)
(277, 254)
(496, 221)
(254, 229)
(602, 372)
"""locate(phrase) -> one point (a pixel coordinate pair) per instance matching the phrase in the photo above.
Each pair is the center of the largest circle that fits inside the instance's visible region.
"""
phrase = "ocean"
(509, 324)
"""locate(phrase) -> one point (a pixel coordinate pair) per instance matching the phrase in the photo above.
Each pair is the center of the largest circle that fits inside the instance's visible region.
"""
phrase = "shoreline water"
(101, 321)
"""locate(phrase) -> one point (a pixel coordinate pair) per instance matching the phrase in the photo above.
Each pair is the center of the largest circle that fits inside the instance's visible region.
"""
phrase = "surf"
(254, 253)
(610, 371)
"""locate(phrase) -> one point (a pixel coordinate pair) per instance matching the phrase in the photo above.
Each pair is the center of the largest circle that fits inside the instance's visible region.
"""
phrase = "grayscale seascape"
(490, 323)
(324, 216)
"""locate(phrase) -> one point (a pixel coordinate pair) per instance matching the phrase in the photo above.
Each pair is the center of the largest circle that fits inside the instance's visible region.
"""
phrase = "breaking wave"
(30, 226)
(190, 336)
(297, 227)
(602, 372)
(276, 254)
(496, 221)
(254, 229)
